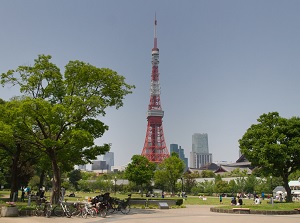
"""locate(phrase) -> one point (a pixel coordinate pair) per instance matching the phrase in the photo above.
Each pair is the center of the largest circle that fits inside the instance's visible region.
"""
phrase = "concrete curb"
(264, 212)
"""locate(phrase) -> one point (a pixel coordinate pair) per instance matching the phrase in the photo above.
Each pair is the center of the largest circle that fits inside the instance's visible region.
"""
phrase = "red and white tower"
(155, 146)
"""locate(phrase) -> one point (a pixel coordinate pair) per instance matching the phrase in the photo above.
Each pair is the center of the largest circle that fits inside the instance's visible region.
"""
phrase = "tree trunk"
(56, 181)
(41, 183)
(14, 175)
(288, 189)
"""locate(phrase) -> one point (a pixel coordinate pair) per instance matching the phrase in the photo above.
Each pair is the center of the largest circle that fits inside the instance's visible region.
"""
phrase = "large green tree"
(140, 171)
(59, 113)
(19, 155)
(274, 145)
(169, 171)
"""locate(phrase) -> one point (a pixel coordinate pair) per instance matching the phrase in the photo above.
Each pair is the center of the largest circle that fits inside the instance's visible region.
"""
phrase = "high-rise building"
(99, 165)
(109, 158)
(200, 155)
(200, 143)
(180, 152)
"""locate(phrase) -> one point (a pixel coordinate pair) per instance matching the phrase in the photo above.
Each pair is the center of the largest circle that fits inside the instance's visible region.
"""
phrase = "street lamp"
(271, 185)
(271, 198)
(115, 185)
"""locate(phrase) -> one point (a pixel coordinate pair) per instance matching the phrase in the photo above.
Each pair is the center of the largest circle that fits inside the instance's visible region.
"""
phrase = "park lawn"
(247, 203)
(190, 200)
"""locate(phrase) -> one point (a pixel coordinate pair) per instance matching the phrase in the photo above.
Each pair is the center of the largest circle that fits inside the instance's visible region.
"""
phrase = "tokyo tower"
(155, 149)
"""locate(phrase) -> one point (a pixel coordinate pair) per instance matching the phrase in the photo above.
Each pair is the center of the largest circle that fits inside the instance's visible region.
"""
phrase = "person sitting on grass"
(233, 201)
(257, 200)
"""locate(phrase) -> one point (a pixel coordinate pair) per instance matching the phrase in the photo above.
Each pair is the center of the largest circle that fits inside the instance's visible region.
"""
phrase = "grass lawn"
(191, 200)
(247, 203)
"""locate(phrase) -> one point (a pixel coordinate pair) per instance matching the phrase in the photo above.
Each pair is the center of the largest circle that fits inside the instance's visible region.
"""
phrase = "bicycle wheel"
(125, 208)
(48, 210)
(102, 213)
(48, 213)
(72, 210)
(93, 212)
(84, 213)
(58, 211)
(37, 211)
(67, 212)
(111, 208)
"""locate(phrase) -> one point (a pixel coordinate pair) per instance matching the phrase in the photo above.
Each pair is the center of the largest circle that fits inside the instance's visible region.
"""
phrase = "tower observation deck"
(155, 149)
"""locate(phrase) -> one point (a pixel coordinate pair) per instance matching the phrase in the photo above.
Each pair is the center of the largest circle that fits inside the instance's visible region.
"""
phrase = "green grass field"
(191, 200)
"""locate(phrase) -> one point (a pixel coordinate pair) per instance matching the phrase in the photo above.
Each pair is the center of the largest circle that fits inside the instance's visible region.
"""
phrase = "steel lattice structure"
(155, 146)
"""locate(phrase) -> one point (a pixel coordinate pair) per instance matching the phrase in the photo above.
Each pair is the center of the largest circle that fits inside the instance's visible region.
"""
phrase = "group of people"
(237, 200)
(25, 191)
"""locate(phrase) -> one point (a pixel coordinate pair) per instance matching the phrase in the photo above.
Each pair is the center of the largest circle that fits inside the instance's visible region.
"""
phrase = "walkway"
(191, 214)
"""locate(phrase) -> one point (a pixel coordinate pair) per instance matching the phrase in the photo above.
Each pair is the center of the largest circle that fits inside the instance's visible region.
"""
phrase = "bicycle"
(79, 209)
(76, 209)
(119, 205)
(124, 205)
(112, 205)
(89, 209)
(62, 209)
(43, 207)
(100, 204)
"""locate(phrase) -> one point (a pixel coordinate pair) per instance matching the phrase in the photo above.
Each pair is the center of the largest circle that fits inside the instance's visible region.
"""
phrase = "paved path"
(191, 214)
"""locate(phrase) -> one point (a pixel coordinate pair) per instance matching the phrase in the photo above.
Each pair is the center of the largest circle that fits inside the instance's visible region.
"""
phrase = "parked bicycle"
(62, 209)
(83, 209)
(89, 210)
(76, 209)
(43, 207)
(119, 205)
(100, 204)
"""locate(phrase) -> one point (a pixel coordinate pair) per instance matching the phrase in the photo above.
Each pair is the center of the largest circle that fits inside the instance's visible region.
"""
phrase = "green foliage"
(295, 175)
(74, 177)
(273, 145)
(88, 175)
(169, 171)
(140, 170)
(67, 185)
(189, 181)
(2, 179)
(220, 186)
(179, 201)
(207, 174)
(58, 114)
(34, 183)
(232, 187)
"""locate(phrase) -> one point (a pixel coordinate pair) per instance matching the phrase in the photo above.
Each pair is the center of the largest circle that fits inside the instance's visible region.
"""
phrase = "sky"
(222, 63)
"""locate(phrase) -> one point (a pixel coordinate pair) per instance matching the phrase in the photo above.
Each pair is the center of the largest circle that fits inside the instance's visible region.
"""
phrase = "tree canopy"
(274, 145)
(140, 170)
(58, 114)
(169, 171)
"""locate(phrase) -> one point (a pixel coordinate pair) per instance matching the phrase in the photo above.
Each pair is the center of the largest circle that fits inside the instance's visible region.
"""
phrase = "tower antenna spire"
(155, 38)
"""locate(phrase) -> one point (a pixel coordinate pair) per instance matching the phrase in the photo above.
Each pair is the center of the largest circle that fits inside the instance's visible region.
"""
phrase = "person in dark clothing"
(233, 201)
(240, 200)
(42, 194)
(22, 195)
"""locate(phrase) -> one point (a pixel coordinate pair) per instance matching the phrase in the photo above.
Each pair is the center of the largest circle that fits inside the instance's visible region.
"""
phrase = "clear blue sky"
(222, 63)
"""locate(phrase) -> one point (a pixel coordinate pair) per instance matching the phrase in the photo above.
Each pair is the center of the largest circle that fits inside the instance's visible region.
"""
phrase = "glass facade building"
(200, 155)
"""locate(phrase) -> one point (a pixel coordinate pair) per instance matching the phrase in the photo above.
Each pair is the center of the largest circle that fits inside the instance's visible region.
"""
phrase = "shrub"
(179, 201)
